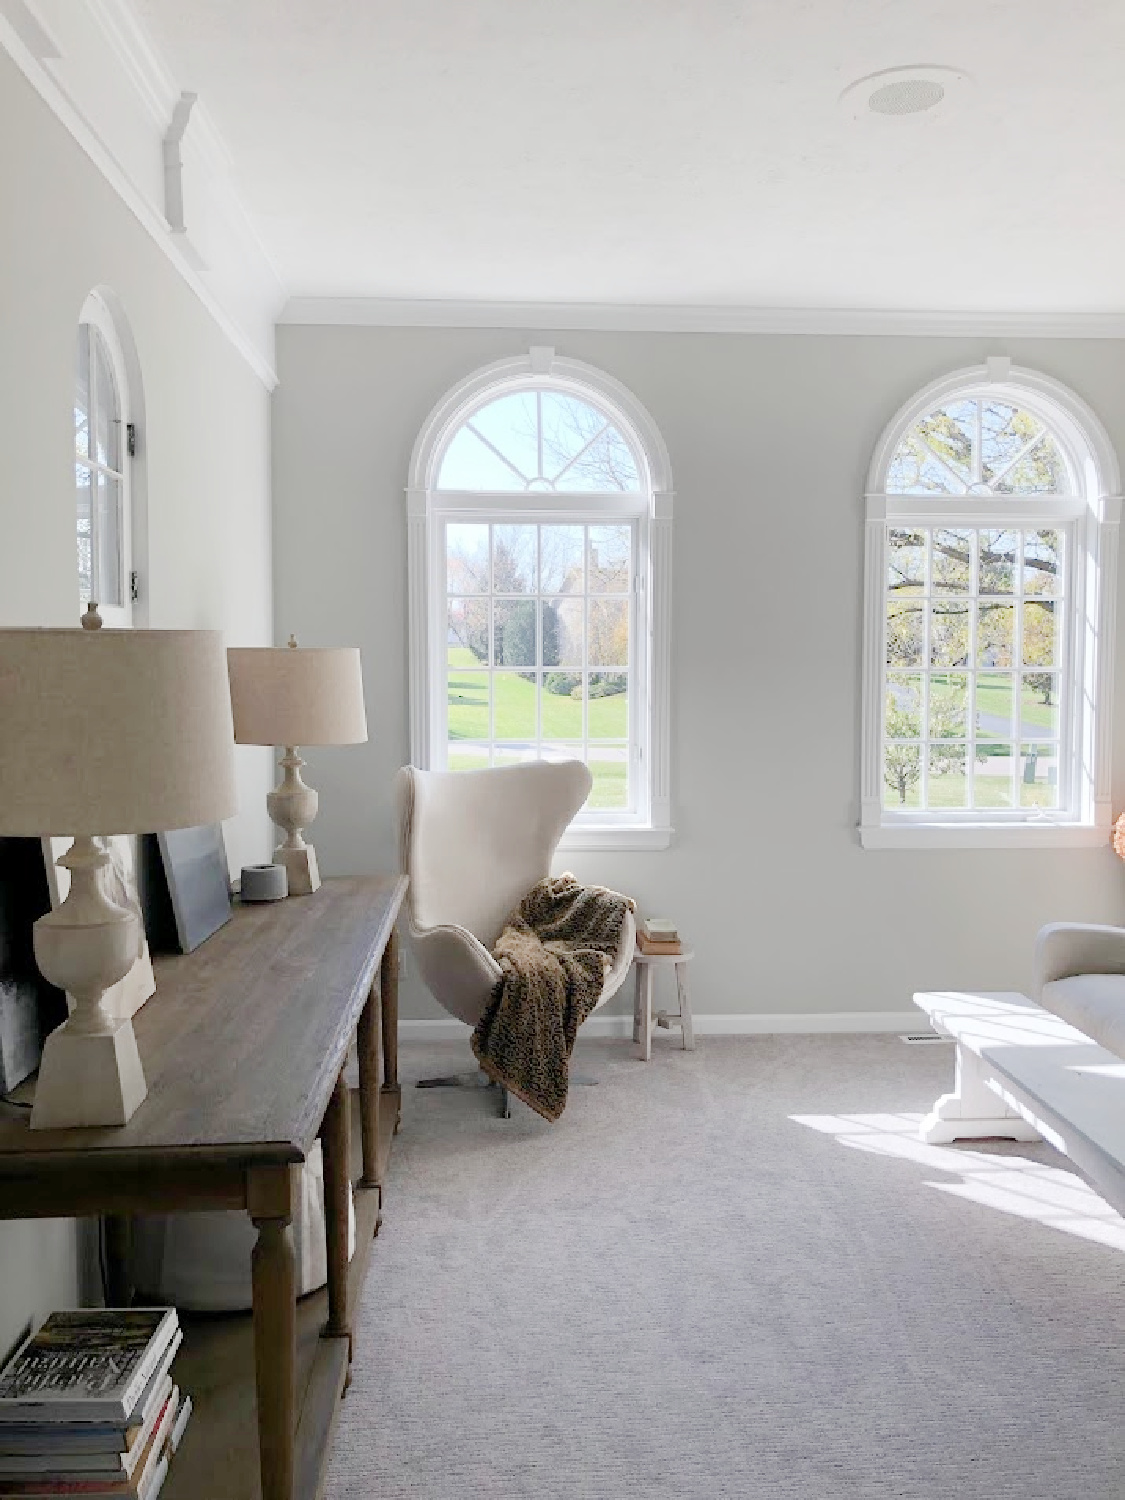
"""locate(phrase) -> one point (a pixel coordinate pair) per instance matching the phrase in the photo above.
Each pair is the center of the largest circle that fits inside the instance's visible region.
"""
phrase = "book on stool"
(659, 936)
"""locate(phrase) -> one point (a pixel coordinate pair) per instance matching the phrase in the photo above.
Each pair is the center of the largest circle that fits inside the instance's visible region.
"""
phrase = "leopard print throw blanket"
(554, 951)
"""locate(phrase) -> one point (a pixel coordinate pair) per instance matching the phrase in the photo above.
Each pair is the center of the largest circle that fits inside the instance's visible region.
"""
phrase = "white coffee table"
(643, 1019)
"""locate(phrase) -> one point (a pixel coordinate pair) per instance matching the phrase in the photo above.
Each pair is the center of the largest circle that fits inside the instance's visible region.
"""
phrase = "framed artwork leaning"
(197, 877)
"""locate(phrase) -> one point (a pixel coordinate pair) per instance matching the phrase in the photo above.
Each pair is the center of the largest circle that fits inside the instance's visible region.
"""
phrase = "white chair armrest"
(1064, 949)
(618, 970)
(458, 969)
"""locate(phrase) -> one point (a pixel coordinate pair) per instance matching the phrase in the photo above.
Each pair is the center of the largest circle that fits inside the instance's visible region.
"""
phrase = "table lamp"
(291, 696)
(105, 732)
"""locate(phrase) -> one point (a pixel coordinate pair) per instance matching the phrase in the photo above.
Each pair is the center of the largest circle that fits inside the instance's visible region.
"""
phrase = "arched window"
(540, 540)
(102, 443)
(992, 520)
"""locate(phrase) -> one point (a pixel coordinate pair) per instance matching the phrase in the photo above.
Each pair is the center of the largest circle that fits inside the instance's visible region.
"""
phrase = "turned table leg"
(388, 994)
(367, 1046)
(271, 1197)
(334, 1142)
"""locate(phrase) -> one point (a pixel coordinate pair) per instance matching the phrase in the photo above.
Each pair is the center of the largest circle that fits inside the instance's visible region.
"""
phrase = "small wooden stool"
(643, 1019)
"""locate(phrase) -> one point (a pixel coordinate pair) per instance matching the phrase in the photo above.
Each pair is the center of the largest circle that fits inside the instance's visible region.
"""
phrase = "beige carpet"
(733, 1273)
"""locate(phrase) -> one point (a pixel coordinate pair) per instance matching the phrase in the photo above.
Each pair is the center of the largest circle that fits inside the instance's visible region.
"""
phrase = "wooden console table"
(244, 1046)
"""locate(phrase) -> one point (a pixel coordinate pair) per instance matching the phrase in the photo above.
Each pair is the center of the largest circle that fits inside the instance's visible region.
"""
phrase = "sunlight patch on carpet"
(1011, 1184)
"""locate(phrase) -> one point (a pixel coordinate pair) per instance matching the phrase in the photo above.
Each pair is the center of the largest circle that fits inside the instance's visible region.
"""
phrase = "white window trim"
(427, 511)
(96, 313)
(1095, 517)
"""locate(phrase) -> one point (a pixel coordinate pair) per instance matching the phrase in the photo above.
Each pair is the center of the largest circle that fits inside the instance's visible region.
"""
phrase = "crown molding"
(158, 90)
(150, 77)
(31, 29)
(379, 312)
(235, 281)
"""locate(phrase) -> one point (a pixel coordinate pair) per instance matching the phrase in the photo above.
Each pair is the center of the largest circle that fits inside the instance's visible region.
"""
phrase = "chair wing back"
(475, 842)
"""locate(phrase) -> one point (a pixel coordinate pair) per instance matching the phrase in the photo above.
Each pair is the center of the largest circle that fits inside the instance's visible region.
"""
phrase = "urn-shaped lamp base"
(300, 864)
(88, 1078)
(292, 806)
(90, 1073)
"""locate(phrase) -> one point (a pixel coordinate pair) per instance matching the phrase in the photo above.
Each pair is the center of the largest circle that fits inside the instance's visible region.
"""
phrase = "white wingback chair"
(474, 843)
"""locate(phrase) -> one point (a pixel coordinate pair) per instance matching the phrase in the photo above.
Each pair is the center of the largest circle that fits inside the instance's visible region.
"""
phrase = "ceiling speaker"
(906, 96)
(897, 93)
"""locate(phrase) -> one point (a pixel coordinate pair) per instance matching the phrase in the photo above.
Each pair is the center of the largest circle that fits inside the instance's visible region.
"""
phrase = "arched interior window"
(540, 620)
(985, 555)
(101, 442)
(539, 440)
(979, 446)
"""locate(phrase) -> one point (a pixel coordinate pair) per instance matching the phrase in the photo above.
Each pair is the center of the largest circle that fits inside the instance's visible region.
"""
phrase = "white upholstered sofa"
(1079, 975)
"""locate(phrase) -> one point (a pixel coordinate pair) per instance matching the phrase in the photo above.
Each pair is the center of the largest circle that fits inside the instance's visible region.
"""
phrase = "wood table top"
(243, 1041)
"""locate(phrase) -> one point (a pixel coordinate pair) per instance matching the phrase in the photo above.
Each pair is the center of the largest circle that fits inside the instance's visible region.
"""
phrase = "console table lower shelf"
(218, 1459)
(244, 1048)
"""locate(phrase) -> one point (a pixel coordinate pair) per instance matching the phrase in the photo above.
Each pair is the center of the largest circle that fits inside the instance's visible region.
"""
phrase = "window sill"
(622, 837)
(985, 836)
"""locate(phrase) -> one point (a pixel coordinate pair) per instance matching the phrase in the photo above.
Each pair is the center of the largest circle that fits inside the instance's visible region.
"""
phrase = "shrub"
(606, 686)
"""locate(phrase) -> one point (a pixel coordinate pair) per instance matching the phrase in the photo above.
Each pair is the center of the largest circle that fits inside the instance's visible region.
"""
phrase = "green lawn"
(515, 707)
(949, 790)
(995, 698)
(515, 720)
(994, 695)
(990, 791)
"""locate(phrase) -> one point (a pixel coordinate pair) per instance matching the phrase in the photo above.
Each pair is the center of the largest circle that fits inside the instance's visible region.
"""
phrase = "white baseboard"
(448, 1029)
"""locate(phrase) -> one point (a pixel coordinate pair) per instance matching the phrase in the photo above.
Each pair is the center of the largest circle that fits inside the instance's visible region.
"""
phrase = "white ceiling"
(670, 151)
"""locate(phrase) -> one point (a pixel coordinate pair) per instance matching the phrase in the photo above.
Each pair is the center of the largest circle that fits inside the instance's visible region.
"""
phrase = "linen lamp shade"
(297, 695)
(105, 732)
(113, 731)
(294, 696)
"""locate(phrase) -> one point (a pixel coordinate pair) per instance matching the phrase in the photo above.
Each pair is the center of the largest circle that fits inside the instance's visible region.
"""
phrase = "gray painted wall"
(770, 438)
(207, 459)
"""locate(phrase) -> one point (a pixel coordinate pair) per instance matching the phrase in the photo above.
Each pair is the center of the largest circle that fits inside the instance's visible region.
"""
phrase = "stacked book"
(657, 935)
(88, 1407)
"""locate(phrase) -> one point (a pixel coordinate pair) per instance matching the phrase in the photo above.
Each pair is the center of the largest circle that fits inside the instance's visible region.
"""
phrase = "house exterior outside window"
(991, 554)
(540, 515)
